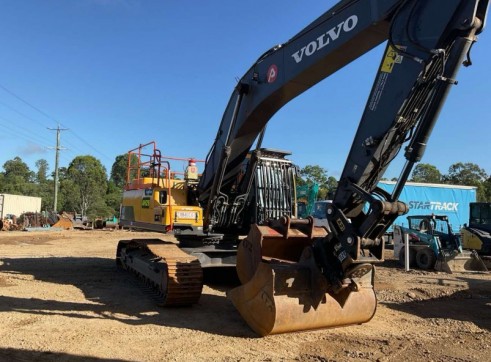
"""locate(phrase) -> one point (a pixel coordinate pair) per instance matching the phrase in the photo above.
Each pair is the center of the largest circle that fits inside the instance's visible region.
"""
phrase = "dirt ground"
(61, 297)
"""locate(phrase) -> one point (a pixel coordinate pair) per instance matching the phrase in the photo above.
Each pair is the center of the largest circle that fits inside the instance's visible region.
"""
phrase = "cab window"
(162, 196)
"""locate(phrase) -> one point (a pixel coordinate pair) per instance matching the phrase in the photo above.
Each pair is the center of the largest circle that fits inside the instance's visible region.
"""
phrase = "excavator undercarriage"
(174, 274)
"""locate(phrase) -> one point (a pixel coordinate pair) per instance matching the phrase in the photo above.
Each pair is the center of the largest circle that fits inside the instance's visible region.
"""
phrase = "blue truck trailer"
(422, 198)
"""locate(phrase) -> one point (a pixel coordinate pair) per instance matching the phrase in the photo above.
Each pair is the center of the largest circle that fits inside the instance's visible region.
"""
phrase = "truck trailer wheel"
(425, 258)
(412, 256)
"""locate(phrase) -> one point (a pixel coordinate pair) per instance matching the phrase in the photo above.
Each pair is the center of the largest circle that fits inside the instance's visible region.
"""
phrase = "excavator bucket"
(284, 291)
(459, 262)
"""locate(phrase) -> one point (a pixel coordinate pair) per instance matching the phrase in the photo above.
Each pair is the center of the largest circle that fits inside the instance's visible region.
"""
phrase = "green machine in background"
(306, 197)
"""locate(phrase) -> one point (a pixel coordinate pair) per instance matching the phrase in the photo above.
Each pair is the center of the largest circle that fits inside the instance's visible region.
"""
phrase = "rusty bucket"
(284, 291)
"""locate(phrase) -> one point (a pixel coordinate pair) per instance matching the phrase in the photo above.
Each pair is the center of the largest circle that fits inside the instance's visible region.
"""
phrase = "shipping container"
(18, 204)
(439, 199)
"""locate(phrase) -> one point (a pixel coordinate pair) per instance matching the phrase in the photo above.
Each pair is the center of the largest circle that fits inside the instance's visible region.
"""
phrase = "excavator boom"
(425, 45)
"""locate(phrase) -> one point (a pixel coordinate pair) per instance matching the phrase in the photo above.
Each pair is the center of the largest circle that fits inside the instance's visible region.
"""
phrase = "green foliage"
(469, 174)
(68, 196)
(332, 185)
(90, 179)
(19, 169)
(100, 209)
(45, 187)
(113, 198)
(460, 173)
(17, 178)
(46, 193)
(424, 172)
(315, 174)
(119, 167)
(118, 170)
(41, 174)
(62, 174)
(487, 190)
(84, 188)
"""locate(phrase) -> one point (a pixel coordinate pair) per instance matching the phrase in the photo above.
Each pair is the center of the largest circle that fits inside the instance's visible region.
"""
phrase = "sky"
(114, 74)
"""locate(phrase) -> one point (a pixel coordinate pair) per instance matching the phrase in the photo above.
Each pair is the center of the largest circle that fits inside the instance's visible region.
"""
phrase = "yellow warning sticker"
(391, 58)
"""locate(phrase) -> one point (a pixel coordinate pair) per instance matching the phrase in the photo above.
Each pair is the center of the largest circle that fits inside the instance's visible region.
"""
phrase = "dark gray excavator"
(296, 276)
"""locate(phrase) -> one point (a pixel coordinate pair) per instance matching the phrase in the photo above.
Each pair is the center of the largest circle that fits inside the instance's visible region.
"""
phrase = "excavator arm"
(426, 43)
(295, 277)
(279, 75)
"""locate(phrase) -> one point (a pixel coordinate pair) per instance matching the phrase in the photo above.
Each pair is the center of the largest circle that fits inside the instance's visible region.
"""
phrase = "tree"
(487, 190)
(62, 174)
(332, 185)
(17, 178)
(315, 174)
(118, 170)
(69, 196)
(17, 167)
(468, 174)
(46, 193)
(424, 172)
(113, 198)
(42, 166)
(89, 177)
(45, 187)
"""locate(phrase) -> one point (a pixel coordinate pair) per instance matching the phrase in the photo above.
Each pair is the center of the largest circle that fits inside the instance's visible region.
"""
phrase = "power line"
(18, 112)
(51, 118)
(22, 132)
(89, 145)
(26, 102)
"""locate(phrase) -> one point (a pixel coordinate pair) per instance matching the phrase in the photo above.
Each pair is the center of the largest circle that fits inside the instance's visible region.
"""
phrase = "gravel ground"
(61, 297)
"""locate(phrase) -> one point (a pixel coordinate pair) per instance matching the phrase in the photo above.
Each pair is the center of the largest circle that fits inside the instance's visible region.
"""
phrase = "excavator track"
(175, 275)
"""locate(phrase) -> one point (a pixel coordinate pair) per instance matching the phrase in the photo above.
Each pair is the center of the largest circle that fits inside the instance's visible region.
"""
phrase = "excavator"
(306, 197)
(295, 276)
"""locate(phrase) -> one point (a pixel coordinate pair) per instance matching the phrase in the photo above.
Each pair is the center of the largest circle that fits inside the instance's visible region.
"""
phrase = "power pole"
(57, 148)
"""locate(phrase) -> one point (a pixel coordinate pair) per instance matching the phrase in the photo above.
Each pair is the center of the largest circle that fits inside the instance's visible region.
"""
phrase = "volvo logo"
(329, 36)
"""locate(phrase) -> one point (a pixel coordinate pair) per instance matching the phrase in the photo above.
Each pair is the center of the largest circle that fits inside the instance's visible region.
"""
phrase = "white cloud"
(32, 149)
